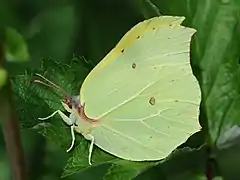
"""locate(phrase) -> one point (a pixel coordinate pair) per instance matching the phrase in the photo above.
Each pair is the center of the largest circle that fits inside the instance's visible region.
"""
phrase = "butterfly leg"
(62, 115)
(73, 138)
(91, 138)
(71, 120)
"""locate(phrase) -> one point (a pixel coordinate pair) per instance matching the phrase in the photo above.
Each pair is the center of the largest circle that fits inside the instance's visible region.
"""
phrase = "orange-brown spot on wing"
(134, 65)
(84, 116)
(152, 100)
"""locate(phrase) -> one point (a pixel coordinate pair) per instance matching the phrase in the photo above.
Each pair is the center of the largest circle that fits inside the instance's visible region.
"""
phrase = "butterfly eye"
(68, 102)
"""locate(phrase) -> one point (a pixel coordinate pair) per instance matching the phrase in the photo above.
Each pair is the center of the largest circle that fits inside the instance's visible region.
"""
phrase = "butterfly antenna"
(53, 85)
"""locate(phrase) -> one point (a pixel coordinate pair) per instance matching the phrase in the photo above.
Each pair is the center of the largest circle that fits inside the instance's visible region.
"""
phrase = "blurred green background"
(84, 31)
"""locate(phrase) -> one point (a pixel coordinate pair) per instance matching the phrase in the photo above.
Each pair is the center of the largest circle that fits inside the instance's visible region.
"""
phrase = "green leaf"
(79, 160)
(15, 47)
(183, 164)
(228, 153)
(216, 50)
(119, 168)
(59, 134)
(35, 100)
(126, 170)
(215, 57)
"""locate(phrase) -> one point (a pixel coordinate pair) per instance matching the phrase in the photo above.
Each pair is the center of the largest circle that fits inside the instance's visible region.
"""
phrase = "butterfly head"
(72, 101)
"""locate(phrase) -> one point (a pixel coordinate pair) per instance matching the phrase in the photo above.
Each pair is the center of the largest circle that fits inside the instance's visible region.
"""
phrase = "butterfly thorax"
(83, 123)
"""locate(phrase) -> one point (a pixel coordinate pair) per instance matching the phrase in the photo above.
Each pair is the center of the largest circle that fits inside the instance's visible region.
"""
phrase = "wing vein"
(134, 140)
(175, 121)
(150, 127)
(128, 100)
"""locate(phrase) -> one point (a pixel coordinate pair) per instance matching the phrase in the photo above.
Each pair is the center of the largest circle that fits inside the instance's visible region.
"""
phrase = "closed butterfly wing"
(143, 93)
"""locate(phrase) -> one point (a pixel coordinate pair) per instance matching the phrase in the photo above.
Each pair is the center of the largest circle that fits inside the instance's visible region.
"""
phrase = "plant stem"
(209, 165)
(11, 130)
